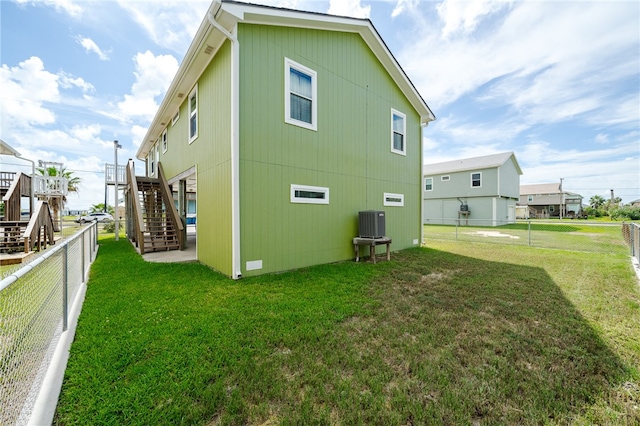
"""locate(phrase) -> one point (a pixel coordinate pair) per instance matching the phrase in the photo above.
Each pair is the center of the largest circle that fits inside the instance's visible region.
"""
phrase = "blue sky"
(557, 82)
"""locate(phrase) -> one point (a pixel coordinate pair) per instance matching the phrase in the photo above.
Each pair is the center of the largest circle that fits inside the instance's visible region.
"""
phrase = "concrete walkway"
(189, 254)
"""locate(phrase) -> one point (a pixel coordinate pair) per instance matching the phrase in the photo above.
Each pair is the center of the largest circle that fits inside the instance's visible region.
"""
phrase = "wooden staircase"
(153, 223)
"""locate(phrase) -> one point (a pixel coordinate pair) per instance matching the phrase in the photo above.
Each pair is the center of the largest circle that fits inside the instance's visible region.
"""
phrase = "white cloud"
(404, 6)
(540, 58)
(460, 16)
(68, 81)
(169, 24)
(153, 76)
(67, 6)
(91, 46)
(351, 8)
(138, 133)
(24, 90)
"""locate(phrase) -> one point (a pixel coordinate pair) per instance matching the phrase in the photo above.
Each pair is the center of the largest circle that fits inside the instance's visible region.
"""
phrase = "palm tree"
(596, 201)
(100, 208)
(73, 185)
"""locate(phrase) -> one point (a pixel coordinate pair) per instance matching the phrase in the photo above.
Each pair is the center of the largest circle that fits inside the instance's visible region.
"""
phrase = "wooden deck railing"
(20, 187)
(40, 228)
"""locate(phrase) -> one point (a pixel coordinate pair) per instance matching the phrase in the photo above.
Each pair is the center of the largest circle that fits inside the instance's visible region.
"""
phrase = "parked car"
(98, 216)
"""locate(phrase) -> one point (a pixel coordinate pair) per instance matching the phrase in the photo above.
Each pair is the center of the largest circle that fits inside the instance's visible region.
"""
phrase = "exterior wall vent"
(208, 49)
(371, 224)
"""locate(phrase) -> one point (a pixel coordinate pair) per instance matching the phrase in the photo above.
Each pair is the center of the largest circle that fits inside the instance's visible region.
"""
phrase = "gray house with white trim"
(481, 191)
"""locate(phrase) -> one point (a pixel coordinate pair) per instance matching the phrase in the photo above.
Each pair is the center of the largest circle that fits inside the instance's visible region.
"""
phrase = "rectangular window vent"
(396, 200)
(309, 194)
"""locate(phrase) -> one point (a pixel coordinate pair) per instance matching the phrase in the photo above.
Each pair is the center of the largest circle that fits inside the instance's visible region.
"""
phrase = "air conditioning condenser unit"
(371, 224)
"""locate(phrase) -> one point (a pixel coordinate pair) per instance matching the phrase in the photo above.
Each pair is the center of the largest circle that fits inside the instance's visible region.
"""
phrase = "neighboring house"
(286, 124)
(635, 203)
(476, 191)
(548, 200)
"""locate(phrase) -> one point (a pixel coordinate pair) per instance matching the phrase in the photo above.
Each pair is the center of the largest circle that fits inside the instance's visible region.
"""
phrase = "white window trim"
(393, 203)
(157, 154)
(175, 118)
(288, 64)
(471, 176)
(151, 161)
(165, 141)
(404, 132)
(191, 113)
(425, 184)
(446, 178)
(296, 187)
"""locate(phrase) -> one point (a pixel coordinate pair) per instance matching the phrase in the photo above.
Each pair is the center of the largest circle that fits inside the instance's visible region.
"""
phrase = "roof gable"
(222, 17)
(474, 163)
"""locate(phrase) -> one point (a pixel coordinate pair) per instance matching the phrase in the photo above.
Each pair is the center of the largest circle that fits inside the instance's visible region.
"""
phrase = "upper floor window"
(300, 95)
(476, 180)
(151, 160)
(445, 178)
(398, 132)
(428, 184)
(193, 114)
(530, 198)
(165, 142)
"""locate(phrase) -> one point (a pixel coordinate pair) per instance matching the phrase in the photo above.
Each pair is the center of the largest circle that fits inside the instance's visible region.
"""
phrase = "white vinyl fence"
(35, 302)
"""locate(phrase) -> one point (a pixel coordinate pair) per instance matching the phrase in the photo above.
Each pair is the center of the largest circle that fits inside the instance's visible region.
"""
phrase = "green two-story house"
(284, 125)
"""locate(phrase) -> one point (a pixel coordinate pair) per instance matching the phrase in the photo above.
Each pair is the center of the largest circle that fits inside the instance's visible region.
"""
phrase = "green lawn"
(456, 333)
(565, 235)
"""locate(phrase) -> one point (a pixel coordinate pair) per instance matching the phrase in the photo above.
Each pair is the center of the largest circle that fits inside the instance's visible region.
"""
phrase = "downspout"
(235, 142)
(422, 127)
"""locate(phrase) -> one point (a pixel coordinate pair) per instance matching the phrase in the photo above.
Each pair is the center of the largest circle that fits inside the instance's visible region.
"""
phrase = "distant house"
(480, 190)
(278, 128)
(547, 200)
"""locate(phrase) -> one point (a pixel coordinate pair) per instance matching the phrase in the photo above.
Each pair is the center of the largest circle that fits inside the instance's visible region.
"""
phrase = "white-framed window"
(530, 198)
(552, 209)
(393, 200)
(151, 161)
(193, 114)
(445, 178)
(165, 142)
(156, 149)
(428, 184)
(300, 95)
(398, 132)
(476, 180)
(309, 194)
(175, 118)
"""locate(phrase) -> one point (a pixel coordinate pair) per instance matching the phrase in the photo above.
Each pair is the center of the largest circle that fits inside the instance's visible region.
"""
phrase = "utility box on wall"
(371, 224)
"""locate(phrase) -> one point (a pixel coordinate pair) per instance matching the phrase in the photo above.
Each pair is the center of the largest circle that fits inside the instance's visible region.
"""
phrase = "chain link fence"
(34, 305)
(631, 233)
(566, 234)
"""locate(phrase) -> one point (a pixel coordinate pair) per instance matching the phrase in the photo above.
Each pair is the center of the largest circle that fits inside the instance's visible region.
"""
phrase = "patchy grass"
(451, 334)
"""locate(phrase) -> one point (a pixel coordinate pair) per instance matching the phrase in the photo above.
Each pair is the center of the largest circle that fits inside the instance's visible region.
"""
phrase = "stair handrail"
(171, 206)
(41, 217)
(19, 187)
(135, 200)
